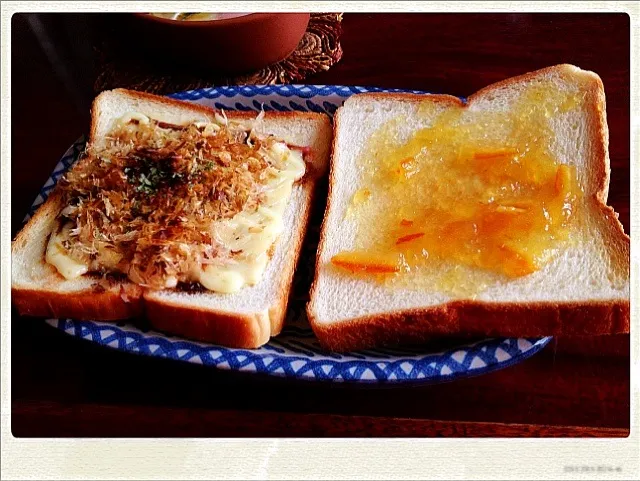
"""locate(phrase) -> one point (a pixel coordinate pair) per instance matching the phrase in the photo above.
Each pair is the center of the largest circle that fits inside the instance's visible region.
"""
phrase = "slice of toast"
(584, 290)
(247, 318)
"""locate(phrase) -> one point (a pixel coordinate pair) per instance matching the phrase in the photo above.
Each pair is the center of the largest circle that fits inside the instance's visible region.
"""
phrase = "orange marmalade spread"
(475, 197)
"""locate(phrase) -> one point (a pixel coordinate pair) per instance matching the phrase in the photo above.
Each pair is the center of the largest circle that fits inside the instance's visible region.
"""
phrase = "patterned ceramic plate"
(296, 353)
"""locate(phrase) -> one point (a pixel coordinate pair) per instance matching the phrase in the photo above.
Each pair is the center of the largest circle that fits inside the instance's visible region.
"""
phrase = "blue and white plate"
(295, 353)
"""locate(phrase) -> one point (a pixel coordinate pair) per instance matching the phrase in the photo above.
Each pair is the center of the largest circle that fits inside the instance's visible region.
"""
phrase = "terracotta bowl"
(231, 45)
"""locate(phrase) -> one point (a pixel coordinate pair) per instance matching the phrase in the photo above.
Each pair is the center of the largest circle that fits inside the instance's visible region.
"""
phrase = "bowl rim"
(249, 18)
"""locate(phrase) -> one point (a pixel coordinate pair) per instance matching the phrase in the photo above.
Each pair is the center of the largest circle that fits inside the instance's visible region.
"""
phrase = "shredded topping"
(146, 203)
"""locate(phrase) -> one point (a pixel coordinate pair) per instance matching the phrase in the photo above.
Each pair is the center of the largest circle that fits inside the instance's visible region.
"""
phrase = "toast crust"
(110, 305)
(498, 319)
(230, 329)
(178, 105)
(124, 300)
(414, 326)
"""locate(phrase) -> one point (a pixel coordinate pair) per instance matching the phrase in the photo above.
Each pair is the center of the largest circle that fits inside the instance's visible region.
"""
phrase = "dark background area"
(62, 386)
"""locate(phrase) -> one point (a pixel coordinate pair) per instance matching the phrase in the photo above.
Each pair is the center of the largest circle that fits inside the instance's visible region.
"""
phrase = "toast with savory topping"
(190, 217)
(486, 217)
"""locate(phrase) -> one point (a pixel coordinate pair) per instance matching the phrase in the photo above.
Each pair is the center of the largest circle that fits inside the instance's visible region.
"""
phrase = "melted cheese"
(129, 116)
(57, 256)
(251, 234)
(248, 235)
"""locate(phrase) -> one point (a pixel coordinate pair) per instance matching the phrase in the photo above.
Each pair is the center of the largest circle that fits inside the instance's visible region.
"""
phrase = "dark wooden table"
(62, 386)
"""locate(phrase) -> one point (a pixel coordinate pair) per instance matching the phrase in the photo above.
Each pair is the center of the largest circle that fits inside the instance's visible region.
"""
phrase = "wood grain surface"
(62, 386)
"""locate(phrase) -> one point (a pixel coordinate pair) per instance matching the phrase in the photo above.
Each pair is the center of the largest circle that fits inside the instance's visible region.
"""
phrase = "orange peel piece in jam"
(409, 237)
(363, 262)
